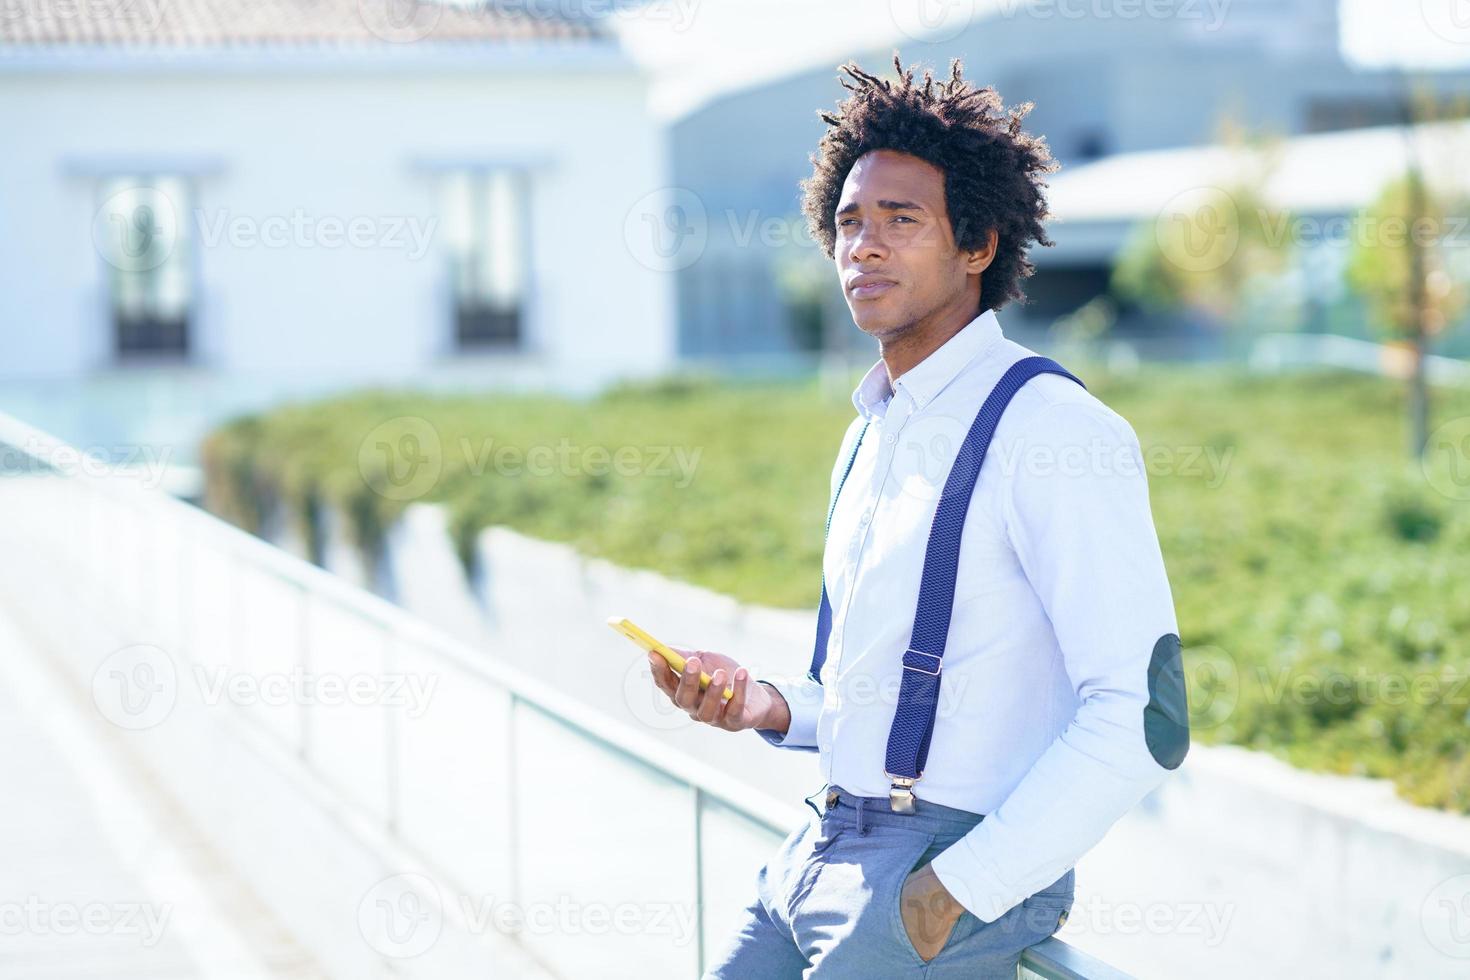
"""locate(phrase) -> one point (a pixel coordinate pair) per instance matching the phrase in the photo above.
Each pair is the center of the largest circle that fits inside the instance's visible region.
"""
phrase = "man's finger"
(735, 707)
(663, 676)
(711, 709)
(686, 695)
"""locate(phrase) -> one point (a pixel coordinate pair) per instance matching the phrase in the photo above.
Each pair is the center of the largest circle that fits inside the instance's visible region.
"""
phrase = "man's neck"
(903, 352)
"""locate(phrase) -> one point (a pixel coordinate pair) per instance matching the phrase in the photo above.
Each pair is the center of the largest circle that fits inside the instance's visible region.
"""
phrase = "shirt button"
(889, 438)
(867, 516)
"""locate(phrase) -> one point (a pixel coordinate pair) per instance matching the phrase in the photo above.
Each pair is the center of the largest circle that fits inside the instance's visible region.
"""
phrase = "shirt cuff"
(804, 703)
(973, 885)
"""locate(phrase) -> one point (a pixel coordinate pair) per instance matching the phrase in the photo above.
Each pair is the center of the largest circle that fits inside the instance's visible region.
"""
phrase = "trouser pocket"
(925, 920)
(848, 922)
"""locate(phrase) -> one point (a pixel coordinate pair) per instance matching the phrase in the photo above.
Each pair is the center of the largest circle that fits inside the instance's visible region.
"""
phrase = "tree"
(1401, 265)
(1400, 268)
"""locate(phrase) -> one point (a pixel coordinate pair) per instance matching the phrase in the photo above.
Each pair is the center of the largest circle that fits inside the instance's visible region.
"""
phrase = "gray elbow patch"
(1166, 717)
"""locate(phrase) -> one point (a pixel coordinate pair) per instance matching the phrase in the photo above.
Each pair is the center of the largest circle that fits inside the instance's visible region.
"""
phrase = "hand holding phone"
(671, 657)
(742, 705)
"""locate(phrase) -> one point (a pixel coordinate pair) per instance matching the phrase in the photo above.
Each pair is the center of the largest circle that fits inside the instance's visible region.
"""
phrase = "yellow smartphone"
(638, 636)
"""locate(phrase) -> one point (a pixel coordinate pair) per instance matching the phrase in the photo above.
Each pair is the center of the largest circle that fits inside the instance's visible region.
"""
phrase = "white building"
(303, 194)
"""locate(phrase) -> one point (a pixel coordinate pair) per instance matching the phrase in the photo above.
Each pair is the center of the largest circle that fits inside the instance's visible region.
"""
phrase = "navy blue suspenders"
(918, 693)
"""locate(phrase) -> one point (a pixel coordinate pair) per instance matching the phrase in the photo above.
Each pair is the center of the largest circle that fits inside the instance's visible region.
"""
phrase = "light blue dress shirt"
(1061, 700)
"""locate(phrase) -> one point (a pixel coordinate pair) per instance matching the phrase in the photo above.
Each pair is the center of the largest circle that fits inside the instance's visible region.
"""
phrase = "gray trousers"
(827, 904)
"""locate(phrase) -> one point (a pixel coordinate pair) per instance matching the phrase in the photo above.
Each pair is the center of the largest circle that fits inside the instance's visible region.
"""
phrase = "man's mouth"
(869, 286)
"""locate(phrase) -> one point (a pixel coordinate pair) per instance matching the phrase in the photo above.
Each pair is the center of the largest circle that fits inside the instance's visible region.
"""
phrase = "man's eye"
(903, 217)
(844, 222)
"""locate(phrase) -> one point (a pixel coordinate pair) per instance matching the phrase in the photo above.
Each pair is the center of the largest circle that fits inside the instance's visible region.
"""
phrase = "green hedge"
(1321, 579)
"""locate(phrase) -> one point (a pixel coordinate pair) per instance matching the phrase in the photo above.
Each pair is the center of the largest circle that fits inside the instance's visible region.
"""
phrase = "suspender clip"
(901, 793)
(923, 667)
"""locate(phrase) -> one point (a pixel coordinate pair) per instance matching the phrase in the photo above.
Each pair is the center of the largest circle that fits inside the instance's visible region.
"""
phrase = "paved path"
(101, 876)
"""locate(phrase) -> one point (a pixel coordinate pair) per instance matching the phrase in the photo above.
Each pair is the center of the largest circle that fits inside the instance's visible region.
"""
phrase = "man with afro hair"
(990, 528)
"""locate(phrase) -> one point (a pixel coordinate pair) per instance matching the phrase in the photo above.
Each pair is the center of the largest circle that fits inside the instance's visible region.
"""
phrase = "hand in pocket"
(928, 912)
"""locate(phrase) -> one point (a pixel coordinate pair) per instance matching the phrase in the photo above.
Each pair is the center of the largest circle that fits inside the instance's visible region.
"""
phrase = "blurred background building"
(226, 203)
(1105, 88)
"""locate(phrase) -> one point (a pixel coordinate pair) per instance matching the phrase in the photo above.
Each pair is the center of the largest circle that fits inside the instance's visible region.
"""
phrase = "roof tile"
(177, 23)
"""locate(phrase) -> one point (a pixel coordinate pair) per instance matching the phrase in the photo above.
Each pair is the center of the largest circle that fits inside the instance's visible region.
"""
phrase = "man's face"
(895, 249)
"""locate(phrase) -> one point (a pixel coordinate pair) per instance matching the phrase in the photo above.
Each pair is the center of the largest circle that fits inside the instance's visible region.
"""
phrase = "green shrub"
(1307, 557)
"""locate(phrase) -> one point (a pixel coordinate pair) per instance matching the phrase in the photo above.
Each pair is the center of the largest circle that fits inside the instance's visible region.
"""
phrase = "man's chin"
(874, 323)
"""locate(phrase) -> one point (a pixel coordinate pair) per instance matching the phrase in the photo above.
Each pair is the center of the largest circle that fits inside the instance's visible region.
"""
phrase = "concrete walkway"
(103, 876)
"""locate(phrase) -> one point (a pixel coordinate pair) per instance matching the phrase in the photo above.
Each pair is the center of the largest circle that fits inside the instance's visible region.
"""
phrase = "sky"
(698, 49)
(701, 48)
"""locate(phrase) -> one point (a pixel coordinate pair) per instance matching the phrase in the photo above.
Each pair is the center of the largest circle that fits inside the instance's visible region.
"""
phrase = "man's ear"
(977, 260)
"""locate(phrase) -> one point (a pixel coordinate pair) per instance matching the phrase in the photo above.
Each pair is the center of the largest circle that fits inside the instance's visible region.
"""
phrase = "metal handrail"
(324, 585)
(1050, 960)
(1055, 960)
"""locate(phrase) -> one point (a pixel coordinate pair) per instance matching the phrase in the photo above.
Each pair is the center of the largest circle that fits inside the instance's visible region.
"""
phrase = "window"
(141, 231)
(1331, 114)
(1090, 145)
(483, 217)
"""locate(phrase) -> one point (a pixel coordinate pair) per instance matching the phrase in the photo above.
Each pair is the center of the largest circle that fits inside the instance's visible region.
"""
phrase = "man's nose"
(867, 243)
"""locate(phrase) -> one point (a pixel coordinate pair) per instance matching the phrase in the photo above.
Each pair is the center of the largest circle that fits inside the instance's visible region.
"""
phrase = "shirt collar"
(931, 375)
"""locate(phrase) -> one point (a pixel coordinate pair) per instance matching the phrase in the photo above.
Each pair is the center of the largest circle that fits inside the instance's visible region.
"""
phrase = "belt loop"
(860, 828)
